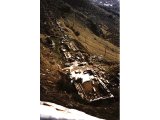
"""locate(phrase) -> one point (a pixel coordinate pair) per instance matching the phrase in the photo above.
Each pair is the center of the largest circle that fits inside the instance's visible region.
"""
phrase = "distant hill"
(110, 5)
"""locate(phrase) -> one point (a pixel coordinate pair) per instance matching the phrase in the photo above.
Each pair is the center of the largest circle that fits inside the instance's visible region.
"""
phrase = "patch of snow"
(52, 111)
(80, 74)
(107, 4)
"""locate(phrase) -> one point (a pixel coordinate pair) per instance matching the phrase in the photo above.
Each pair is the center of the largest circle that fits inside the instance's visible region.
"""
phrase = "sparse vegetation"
(76, 20)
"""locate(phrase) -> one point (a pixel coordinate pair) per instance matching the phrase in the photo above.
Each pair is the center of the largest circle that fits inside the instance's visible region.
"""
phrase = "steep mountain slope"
(95, 31)
(99, 17)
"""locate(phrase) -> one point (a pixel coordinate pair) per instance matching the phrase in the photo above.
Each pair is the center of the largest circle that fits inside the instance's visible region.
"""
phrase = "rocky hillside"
(100, 19)
(95, 31)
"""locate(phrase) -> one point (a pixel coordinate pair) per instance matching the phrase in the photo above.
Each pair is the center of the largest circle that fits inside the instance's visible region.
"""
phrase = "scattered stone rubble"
(89, 79)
